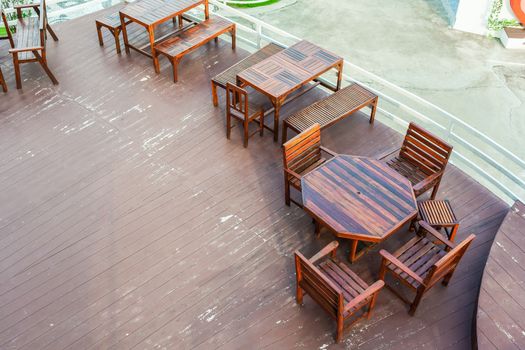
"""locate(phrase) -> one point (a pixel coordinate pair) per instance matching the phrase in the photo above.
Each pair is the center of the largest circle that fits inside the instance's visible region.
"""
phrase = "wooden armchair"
(238, 107)
(422, 262)
(335, 287)
(301, 155)
(422, 159)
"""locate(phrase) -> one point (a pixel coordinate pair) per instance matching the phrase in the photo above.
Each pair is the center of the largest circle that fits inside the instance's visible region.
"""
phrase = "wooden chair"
(301, 155)
(238, 107)
(422, 159)
(30, 44)
(2, 81)
(335, 287)
(422, 262)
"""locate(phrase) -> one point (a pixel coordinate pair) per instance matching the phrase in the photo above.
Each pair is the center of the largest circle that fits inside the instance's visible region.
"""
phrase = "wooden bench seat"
(189, 40)
(29, 45)
(230, 74)
(330, 110)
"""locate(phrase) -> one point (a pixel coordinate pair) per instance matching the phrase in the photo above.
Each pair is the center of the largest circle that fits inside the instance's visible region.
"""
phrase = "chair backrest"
(448, 262)
(322, 290)
(425, 150)
(236, 100)
(303, 150)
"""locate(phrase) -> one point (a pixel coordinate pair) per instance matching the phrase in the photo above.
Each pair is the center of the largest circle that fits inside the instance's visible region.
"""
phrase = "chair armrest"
(374, 288)
(329, 151)
(436, 234)
(393, 260)
(292, 173)
(329, 248)
(427, 181)
(387, 153)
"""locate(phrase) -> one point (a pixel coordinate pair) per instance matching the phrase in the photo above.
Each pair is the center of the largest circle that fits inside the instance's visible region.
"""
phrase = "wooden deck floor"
(127, 220)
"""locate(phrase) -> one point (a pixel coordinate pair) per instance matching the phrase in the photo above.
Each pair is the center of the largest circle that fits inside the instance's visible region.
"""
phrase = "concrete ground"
(411, 44)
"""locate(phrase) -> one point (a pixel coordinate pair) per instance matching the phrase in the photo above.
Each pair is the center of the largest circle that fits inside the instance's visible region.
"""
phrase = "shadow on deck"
(127, 218)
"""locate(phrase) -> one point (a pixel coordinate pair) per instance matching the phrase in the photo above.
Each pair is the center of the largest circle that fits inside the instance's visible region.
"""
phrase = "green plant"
(496, 24)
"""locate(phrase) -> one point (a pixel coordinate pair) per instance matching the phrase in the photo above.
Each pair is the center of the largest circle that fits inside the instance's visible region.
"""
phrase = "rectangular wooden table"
(151, 13)
(287, 71)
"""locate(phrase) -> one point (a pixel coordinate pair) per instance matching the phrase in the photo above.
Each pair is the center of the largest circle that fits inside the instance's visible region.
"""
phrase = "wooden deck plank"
(128, 219)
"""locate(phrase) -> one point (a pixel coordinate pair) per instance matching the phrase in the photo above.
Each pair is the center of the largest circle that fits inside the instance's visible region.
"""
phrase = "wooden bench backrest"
(303, 150)
(43, 23)
(318, 286)
(425, 150)
(236, 100)
(448, 262)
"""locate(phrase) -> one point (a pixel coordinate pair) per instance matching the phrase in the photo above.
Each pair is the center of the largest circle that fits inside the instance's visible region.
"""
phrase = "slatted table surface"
(358, 198)
(151, 12)
(283, 73)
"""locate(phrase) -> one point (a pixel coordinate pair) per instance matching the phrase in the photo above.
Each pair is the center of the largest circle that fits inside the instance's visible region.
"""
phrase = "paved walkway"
(410, 44)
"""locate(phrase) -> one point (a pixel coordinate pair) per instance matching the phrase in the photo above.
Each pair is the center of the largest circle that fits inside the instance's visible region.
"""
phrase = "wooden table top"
(151, 12)
(286, 71)
(358, 198)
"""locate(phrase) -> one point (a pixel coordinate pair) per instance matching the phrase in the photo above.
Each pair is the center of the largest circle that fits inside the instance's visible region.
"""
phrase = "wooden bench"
(189, 40)
(330, 110)
(30, 44)
(112, 23)
(230, 74)
(500, 318)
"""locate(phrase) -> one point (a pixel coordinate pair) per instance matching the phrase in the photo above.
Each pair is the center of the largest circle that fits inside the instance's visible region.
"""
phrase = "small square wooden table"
(151, 13)
(287, 71)
(360, 199)
(439, 214)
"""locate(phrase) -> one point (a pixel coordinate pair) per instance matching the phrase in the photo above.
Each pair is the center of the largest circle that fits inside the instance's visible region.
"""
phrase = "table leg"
(124, 32)
(339, 76)
(151, 34)
(206, 9)
(276, 109)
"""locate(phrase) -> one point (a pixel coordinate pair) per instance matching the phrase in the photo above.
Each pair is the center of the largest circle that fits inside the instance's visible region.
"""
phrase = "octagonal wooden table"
(359, 199)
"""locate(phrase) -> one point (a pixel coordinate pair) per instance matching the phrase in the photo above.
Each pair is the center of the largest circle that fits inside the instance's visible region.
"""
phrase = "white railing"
(493, 165)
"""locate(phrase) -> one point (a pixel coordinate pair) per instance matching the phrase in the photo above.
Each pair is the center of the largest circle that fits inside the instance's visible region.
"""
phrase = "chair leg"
(228, 125)
(434, 191)
(447, 278)
(299, 295)
(286, 190)
(285, 133)
(234, 38)
(416, 301)
(99, 33)
(43, 63)
(52, 32)
(339, 334)
(16, 66)
(382, 270)
(371, 306)
(245, 132)
(214, 96)
(175, 64)
(317, 229)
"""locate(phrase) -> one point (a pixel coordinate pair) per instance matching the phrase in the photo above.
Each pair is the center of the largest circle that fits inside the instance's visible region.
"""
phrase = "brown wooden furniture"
(191, 39)
(301, 155)
(2, 81)
(239, 107)
(330, 110)
(287, 71)
(151, 13)
(335, 287)
(422, 262)
(230, 74)
(500, 316)
(422, 159)
(439, 215)
(30, 44)
(111, 23)
(359, 199)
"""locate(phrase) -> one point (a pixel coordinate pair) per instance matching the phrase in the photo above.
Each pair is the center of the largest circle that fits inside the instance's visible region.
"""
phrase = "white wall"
(472, 15)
